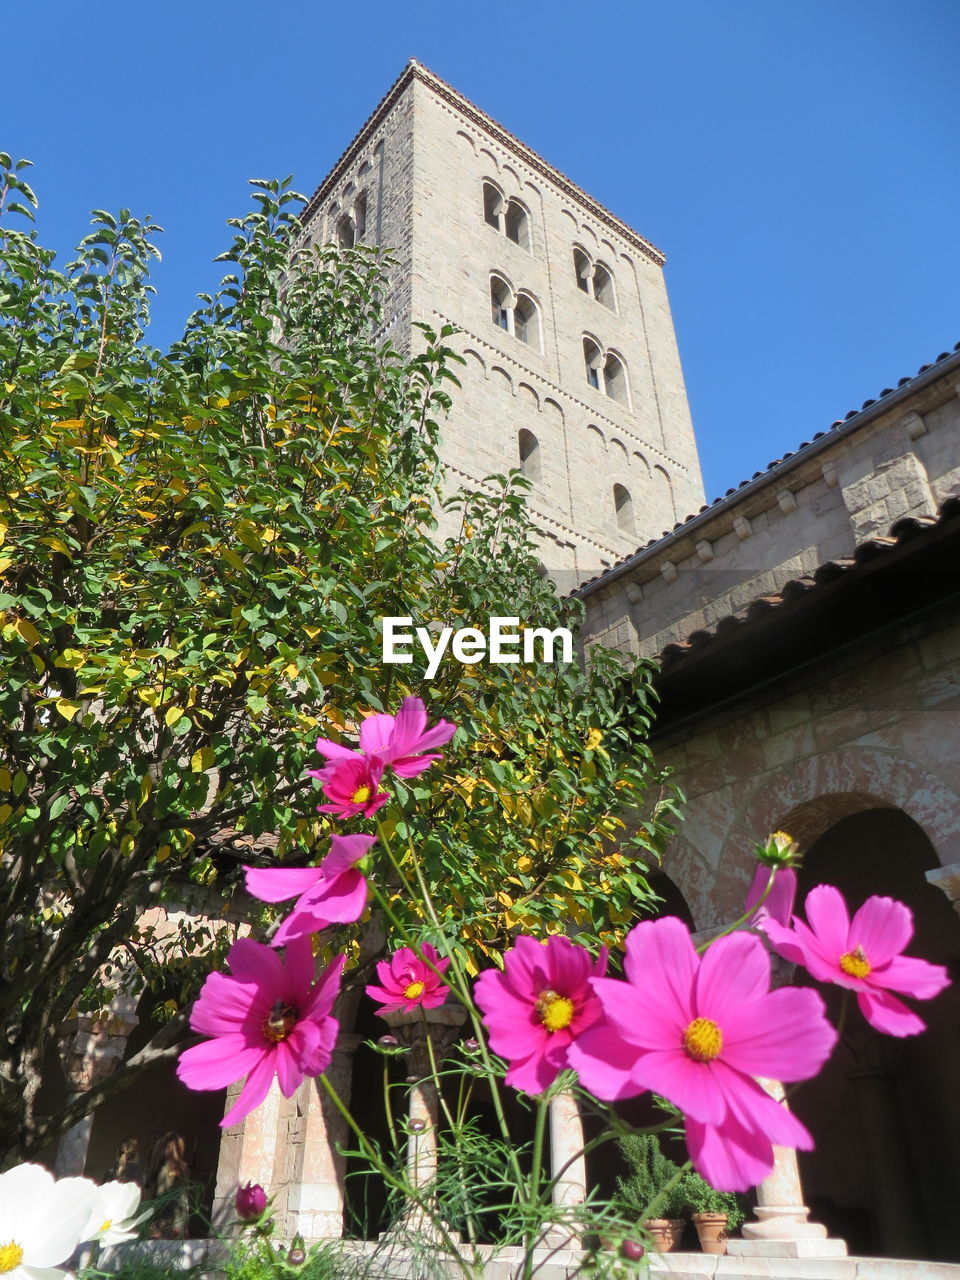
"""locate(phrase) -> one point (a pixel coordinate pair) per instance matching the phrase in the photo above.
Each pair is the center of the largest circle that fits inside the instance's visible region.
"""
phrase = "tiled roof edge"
(855, 419)
(416, 71)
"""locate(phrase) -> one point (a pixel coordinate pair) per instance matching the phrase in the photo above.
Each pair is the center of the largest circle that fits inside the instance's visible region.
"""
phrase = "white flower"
(41, 1221)
(111, 1219)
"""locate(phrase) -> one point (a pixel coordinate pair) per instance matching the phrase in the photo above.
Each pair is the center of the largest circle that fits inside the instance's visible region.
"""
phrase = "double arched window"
(594, 278)
(507, 216)
(352, 224)
(514, 311)
(605, 371)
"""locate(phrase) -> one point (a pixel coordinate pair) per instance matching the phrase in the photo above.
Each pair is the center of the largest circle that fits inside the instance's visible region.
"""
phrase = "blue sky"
(798, 163)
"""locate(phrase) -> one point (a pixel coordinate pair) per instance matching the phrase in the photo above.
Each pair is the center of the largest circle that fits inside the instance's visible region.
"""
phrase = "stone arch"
(809, 796)
(605, 244)
(469, 141)
(588, 231)
(553, 410)
(518, 181)
(640, 464)
(475, 363)
(596, 439)
(574, 228)
(500, 376)
(526, 393)
(621, 457)
(491, 157)
(665, 492)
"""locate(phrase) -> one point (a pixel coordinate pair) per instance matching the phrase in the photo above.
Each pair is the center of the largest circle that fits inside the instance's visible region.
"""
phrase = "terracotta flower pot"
(665, 1233)
(712, 1230)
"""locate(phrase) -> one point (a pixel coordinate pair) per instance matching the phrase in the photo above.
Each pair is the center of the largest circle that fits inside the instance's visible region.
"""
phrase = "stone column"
(568, 1168)
(782, 1229)
(91, 1046)
(428, 1035)
(315, 1193)
(947, 879)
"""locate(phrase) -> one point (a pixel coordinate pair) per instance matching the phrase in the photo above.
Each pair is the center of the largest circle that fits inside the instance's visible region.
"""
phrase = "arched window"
(359, 217)
(623, 505)
(615, 379)
(516, 224)
(526, 325)
(593, 360)
(346, 232)
(603, 286)
(500, 303)
(529, 448)
(583, 269)
(492, 206)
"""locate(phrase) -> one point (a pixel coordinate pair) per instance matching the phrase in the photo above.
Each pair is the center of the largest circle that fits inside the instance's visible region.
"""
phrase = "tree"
(196, 550)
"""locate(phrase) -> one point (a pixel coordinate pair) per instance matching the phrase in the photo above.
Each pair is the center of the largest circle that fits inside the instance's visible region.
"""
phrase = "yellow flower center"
(855, 964)
(703, 1040)
(11, 1256)
(782, 836)
(360, 796)
(555, 1011)
(413, 990)
(279, 1022)
(106, 1224)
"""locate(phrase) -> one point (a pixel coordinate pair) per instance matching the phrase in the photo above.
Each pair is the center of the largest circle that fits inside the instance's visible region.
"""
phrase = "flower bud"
(780, 850)
(417, 1126)
(251, 1202)
(471, 1045)
(297, 1257)
(632, 1250)
(388, 1042)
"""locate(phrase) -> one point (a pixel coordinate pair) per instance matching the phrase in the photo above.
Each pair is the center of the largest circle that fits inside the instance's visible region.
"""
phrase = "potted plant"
(715, 1213)
(653, 1182)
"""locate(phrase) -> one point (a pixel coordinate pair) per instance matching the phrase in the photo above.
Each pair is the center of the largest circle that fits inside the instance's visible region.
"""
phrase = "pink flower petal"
(882, 927)
(783, 940)
(827, 918)
(754, 1108)
(334, 750)
(276, 884)
(785, 1036)
(413, 766)
(691, 1086)
(298, 971)
(252, 962)
(345, 853)
(217, 1063)
(911, 976)
(886, 1013)
(730, 1157)
(642, 1019)
(408, 728)
(778, 905)
(376, 733)
(325, 991)
(286, 1058)
(604, 1062)
(253, 1092)
(734, 975)
(224, 1006)
(663, 947)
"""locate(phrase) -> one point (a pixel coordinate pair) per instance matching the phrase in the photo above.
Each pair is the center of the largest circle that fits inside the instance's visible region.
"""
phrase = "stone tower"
(572, 370)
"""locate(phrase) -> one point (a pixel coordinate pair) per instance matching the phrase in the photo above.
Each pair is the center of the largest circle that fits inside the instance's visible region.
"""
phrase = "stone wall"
(898, 457)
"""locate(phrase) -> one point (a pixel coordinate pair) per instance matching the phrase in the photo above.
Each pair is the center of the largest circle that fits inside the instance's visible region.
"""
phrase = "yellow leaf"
(5, 563)
(67, 707)
(594, 738)
(163, 853)
(27, 631)
(5, 812)
(201, 760)
(172, 715)
(232, 558)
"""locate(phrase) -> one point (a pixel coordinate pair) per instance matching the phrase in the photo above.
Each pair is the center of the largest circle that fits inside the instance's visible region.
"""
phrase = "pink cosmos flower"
(333, 893)
(538, 1007)
(351, 784)
(778, 904)
(862, 955)
(698, 1031)
(268, 1019)
(397, 742)
(408, 982)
